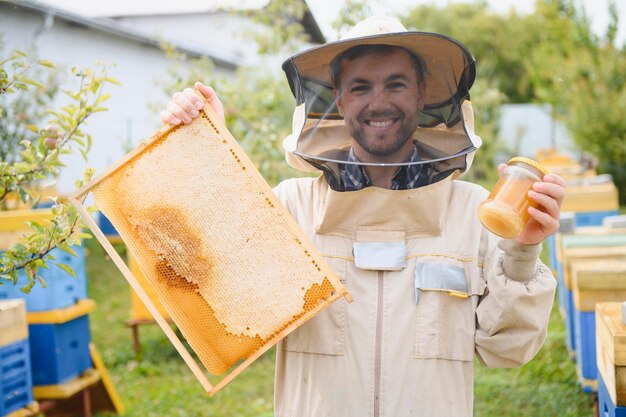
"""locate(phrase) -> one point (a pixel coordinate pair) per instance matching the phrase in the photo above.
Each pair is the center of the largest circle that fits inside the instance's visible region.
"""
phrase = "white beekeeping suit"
(431, 286)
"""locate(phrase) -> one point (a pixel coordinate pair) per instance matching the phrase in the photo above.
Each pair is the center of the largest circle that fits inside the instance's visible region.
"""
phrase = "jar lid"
(532, 163)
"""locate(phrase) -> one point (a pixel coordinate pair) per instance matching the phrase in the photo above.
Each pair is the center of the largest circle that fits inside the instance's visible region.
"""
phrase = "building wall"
(220, 32)
(138, 66)
(226, 34)
(525, 128)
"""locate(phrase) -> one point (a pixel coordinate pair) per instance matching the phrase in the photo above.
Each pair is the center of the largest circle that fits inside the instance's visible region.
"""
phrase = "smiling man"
(384, 115)
(380, 105)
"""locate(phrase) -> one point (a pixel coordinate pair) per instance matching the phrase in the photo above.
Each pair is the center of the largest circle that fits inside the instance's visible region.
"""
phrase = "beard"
(383, 144)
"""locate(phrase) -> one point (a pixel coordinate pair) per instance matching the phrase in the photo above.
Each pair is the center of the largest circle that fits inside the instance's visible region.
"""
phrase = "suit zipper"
(379, 343)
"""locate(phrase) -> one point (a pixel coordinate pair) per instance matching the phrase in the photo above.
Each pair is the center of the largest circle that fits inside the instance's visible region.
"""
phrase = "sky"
(596, 10)
(326, 10)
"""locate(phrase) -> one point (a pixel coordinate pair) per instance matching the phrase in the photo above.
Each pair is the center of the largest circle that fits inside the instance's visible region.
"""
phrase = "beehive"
(16, 384)
(227, 261)
(59, 342)
(572, 255)
(582, 249)
(13, 324)
(593, 281)
(138, 311)
(611, 350)
(591, 198)
(13, 224)
(596, 281)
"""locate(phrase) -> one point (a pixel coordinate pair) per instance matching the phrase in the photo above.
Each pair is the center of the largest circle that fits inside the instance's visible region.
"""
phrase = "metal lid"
(543, 170)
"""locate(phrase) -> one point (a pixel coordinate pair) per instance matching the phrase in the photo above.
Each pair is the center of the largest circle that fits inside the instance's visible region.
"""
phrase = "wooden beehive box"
(13, 224)
(138, 311)
(596, 197)
(588, 236)
(227, 261)
(596, 281)
(583, 254)
(611, 349)
(13, 323)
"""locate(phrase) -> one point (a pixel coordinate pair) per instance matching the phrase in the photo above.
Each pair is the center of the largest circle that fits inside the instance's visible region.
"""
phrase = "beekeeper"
(384, 114)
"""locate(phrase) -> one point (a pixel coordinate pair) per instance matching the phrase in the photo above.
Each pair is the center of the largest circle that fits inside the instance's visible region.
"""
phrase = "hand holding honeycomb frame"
(227, 261)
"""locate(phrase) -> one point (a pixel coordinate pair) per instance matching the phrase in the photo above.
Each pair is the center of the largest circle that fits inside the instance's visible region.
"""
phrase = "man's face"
(379, 99)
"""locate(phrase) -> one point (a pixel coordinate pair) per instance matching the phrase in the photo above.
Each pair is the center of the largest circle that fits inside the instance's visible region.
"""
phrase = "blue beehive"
(606, 407)
(16, 387)
(575, 247)
(62, 289)
(105, 225)
(585, 333)
(594, 281)
(552, 248)
(570, 331)
(108, 229)
(593, 218)
(59, 343)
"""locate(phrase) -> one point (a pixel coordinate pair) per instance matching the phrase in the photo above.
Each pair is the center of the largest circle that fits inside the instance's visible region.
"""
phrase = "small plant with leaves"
(32, 154)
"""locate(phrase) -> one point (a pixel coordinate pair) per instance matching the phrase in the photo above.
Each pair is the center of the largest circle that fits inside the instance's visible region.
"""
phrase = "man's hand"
(185, 105)
(543, 220)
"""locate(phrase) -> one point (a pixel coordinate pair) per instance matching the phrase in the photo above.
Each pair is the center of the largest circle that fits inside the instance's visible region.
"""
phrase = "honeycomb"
(227, 261)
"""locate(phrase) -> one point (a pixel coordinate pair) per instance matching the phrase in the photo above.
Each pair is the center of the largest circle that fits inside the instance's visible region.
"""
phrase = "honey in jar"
(505, 211)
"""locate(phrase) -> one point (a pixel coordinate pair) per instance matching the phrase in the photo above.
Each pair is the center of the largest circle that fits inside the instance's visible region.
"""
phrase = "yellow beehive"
(572, 257)
(561, 164)
(596, 197)
(227, 261)
(41, 194)
(611, 350)
(138, 311)
(581, 194)
(13, 324)
(598, 280)
(13, 224)
(62, 315)
(586, 231)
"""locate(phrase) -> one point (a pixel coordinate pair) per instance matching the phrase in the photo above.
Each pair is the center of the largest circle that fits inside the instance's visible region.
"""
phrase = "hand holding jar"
(525, 204)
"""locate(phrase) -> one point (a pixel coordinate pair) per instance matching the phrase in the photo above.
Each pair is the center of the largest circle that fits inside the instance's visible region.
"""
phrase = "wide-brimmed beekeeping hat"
(445, 132)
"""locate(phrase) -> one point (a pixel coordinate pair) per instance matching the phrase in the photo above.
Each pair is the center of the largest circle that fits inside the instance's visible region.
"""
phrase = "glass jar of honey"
(505, 211)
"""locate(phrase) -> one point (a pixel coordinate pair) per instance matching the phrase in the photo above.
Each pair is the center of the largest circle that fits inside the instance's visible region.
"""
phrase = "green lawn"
(159, 384)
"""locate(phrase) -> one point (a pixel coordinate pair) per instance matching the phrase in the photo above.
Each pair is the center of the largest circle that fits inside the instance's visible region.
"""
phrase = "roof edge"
(112, 27)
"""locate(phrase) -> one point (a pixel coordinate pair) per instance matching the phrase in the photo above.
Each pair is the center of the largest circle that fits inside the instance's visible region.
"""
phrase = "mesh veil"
(320, 138)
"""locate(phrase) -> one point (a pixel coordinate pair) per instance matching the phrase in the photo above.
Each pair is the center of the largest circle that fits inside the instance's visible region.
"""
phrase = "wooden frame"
(241, 157)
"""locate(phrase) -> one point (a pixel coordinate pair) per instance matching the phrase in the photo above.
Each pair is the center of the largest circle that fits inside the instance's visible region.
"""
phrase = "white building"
(526, 128)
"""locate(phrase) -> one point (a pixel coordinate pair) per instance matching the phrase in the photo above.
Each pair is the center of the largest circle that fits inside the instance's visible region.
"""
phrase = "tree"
(352, 12)
(549, 56)
(583, 78)
(280, 23)
(32, 153)
(475, 27)
(596, 104)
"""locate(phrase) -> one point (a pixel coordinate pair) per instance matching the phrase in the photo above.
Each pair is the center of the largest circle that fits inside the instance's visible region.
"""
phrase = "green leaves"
(33, 136)
(66, 248)
(34, 250)
(282, 18)
(35, 162)
(46, 63)
(67, 269)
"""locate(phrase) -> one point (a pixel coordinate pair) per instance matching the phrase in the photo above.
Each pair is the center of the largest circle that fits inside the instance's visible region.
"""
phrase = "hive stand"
(139, 313)
(93, 391)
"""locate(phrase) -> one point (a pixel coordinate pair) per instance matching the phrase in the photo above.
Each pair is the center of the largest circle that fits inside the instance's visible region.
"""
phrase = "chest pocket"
(446, 297)
(325, 333)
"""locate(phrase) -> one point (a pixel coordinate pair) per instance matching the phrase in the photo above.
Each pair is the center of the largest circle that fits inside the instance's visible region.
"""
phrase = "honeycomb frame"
(186, 264)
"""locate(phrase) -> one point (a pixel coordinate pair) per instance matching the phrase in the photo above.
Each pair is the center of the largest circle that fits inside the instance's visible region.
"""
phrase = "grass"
(544, 387)
(157, 383)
